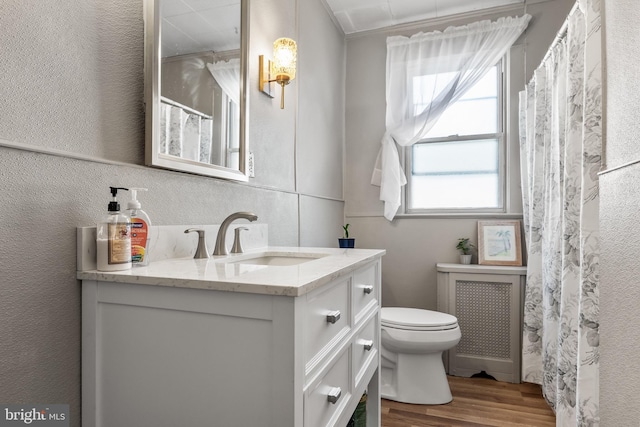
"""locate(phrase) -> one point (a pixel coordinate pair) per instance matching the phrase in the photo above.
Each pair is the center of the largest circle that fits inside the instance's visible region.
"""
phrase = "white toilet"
(412, 344)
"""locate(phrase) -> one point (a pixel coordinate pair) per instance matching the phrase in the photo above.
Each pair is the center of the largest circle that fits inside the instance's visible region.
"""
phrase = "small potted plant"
(465, 246)
(346, 242)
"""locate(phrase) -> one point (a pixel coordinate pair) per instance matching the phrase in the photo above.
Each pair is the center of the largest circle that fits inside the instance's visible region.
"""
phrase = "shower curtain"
(561, 147)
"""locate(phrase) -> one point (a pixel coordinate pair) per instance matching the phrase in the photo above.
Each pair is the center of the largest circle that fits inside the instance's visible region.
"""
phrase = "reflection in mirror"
(196, 84)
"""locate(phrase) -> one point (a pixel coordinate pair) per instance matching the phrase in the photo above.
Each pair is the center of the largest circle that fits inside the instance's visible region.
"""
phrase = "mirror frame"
(152, 64)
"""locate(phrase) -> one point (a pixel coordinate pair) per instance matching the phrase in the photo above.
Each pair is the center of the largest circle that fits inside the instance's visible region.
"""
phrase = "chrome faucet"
(201, 251)
(221, 239)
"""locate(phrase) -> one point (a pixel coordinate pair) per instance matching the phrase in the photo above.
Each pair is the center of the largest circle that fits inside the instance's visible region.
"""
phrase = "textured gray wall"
(619, 227)
(68, 72)
(415, 245)
(71, 75)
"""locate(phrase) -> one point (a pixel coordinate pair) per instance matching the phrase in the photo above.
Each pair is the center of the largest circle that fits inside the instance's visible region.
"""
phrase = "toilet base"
(415, 378)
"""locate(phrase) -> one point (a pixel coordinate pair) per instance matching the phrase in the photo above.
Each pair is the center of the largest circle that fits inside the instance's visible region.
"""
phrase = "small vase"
(347, 243)
(465, 259)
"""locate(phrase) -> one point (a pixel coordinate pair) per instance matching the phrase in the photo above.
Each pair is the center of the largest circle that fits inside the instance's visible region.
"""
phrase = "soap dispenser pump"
(113, 237)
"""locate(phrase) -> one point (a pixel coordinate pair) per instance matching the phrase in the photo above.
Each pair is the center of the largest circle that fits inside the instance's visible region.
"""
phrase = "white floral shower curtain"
(561, 146)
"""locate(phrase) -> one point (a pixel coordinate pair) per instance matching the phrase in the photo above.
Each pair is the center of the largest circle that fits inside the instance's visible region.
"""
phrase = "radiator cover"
(488, 304)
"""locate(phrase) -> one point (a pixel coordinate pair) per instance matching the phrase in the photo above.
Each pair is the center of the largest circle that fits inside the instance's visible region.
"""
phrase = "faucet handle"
(201, 251)
(237, 246)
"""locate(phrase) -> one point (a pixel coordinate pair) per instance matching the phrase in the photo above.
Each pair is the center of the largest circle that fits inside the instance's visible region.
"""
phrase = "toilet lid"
(417, 319)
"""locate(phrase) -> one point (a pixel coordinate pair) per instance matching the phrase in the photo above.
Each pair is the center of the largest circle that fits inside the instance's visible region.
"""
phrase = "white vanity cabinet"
(183, 356)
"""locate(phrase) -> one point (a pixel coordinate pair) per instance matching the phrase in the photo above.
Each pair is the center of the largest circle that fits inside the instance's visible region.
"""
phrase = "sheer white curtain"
(227, 74)
(459, 57)
(561, 147)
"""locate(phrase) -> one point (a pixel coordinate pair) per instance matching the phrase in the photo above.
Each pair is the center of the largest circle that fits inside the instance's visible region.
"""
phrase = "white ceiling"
(214, 25)
(362, 15)
(190, 26)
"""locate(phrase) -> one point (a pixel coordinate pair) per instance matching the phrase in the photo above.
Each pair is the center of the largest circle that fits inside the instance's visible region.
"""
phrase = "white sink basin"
(279, 259)
(274, 260)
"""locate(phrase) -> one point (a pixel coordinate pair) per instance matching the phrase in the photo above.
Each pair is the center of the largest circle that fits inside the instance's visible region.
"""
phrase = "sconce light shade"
(282, 69)
(284, 59)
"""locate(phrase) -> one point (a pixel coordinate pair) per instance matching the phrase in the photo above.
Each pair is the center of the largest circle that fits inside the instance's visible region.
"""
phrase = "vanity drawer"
(327, 320)
(365, 349)
(326, 398)
(365, 290)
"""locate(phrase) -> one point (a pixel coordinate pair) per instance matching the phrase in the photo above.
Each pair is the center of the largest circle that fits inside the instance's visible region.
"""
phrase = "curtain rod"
(562, 33)
(189, 110)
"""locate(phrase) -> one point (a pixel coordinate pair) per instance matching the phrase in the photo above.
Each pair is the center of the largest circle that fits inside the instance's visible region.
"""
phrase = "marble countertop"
(229, 273)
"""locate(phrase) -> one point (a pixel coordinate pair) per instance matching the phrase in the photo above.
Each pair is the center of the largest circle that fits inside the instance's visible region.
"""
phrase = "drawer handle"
(333, 317)
(367, 344)
(334, 394)
(368, 289)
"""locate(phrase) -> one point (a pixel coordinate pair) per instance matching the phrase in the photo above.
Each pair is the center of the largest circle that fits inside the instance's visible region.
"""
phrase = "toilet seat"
(415, 319)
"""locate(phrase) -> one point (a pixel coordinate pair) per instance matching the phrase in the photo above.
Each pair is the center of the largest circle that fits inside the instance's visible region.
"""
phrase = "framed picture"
(499, 243)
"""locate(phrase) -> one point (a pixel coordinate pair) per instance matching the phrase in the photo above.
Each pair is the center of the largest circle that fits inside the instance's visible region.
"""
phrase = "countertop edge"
(235, 285)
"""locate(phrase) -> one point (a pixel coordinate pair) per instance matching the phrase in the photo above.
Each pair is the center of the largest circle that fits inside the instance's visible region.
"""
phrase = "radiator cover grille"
(483, 312)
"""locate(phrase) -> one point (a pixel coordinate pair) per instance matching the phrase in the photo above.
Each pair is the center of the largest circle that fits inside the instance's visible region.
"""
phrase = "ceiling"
(363, 15)
(204, 25)
(190, 26)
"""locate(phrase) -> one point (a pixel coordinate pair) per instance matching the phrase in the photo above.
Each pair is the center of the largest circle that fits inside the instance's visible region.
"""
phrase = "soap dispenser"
(140, 230)
(113, 239)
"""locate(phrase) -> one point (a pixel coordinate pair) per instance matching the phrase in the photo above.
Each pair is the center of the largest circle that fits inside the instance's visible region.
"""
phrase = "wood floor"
(476, 402)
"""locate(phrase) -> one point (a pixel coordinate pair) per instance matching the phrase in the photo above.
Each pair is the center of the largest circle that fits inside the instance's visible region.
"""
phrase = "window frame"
(501, 137)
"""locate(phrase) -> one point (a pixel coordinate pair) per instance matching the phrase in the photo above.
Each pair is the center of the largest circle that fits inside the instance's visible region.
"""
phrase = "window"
(457, 167)
(233, 137)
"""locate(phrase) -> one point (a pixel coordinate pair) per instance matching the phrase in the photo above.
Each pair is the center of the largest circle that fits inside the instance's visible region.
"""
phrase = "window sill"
(443, 215)
(463, 215)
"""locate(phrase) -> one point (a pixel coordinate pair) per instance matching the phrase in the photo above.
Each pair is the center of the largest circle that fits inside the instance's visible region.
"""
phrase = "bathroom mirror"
(196, 54)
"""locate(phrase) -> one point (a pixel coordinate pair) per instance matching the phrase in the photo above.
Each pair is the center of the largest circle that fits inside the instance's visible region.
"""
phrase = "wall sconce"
(281, 70)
